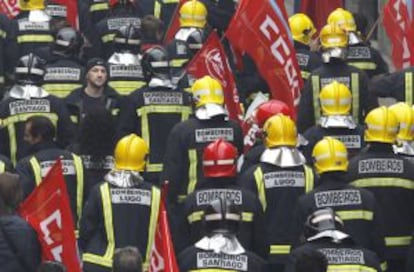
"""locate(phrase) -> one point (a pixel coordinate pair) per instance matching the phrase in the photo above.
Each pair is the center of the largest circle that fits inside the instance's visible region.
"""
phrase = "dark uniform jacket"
(356, 207)
(390, 178)
(25, 242)
(126, 215)
(366, 58)
(196, 259)
(307, 59)
(251, 232)
(14, 112)
(151, 113)
(33, 169)
(343, 256)
(355, 79)
(125, 78)
(252, 157)
(278, 189)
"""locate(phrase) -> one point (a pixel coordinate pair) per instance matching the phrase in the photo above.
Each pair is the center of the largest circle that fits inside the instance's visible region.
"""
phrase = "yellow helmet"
(280, 130)
(130, 153)
(193, 13)
(405, 117)
(330, 154)
(32, 4)
(302, 28)
(382, 126)
(332, 36)
(335, 99)
(342, 18)
(207, 90)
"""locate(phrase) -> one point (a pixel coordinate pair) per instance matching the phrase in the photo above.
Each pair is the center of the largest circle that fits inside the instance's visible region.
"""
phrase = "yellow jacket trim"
(36, 170)
(192, 171)
(350, 268)
(155, 208)
(355, 215)
(398, 241)
(305, 74)
(126, 87)
(316, 89)
(384, 182)
(261, 191)
(77, 161)
(384, 266)
(309, 179)
(195, 216)
(96, 259)
(108, 38)
(157, 9)
(98, 7)
(177, 63)
(363, 65)
(34, 38)
(355, 95)
(60, 89)
(409, 87)
(280, 249)
(2, 167)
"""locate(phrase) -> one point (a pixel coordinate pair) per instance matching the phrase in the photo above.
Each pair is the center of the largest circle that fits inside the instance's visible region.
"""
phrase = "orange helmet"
(220, 159)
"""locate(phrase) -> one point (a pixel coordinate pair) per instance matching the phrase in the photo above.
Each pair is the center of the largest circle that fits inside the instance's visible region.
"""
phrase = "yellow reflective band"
(355, 95)
(2, 79)
(398, 241)
(305, 74)
(36, 170)
(2, 167)
(261, 191)
(169, 1)
(280, 249)
(60, 89)
(363, 65)
(316, 88)
(350, 268)
(181, 198)
(77, 161)
(212, 270)
(355, 215)
(74, 119)
(192, 171)
(108, 38)
(98, 7)
(155, 208)
(115, 112)
(195, 216)
(247, 216)
(178, 63)
(309, 184)
(108, 221)
(384, 182)
(96, 259)
(157, 9)
(126, 87)
(20, 118)
(154, 167)
(3, 34)
(384, 266)
(35, 38)
(409, 88)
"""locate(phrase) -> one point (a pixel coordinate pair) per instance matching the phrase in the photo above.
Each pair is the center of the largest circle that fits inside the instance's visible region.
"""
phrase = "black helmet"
(322, 220)
(30, 69)
(195, 40)
(127, 38)
(156, 63)
(68, 42)
(221, 215)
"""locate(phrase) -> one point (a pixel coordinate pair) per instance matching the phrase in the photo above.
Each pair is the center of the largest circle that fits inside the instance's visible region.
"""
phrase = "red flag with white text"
(163, 256)
(260, 29)
(399, 27)
(212, 60)
(9, 7)
(47, 210)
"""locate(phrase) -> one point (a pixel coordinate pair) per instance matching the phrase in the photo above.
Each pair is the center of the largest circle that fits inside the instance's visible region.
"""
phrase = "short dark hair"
(52, 266)
(127, 259)
(311, 261)
(42, 126)
(150, 26)
(11, 192)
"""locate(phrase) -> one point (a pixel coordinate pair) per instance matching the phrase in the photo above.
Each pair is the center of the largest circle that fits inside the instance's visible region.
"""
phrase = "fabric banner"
(47, 210)
(174, 24)
(318, 10)
(9, 7)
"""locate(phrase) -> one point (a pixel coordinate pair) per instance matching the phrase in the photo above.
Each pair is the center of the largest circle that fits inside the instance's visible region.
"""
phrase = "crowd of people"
(328, 186)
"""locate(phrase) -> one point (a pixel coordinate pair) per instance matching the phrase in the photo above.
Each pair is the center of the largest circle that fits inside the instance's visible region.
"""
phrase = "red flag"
(47, 210)
(261, 30)
(174, 23)
(212, 60)
(162, 255)
(319, 10)
(9, 7)
(72, 11)
(399, 28)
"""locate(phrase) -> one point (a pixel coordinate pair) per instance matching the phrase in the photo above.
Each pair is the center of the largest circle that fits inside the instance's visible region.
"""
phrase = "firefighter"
(398, 85)
(220, 171)
(121, 211)
(30, 30)
(404, 145)
(95, 93)
(152, 30)
(303, 30)
(359, 53)
(27, 98)
(356, 207)
(279, 178)
(124, 66)
(324, 232)
(259, 118)
(163, 9)
(39, 132)
(6, 70)
(336, 120)
(64, 72)
(334, 42)
(154, 109)
(90, 13)
(390, 177)
(220, 249)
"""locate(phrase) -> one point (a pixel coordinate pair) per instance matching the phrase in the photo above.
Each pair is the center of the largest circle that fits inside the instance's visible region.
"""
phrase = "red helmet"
(270, 108)
(220, 159)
